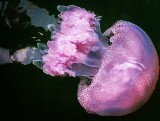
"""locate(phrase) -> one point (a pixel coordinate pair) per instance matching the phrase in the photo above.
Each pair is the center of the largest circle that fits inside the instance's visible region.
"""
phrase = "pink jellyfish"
(118, 69)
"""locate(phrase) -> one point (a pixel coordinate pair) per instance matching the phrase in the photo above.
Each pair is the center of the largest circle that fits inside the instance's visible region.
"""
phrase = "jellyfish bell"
(127, 76)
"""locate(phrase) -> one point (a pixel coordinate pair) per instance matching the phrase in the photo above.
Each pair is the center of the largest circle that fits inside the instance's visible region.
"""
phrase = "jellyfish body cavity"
(128, 73)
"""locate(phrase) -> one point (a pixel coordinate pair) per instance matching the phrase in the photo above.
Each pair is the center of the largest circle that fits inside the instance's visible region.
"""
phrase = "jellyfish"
(118, 69)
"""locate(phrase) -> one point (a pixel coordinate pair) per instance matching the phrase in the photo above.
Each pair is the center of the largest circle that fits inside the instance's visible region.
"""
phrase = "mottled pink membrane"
(127, 76)
(123, 75)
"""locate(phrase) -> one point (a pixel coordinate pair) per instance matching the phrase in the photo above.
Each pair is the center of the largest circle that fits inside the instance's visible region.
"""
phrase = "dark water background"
(29, 94)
